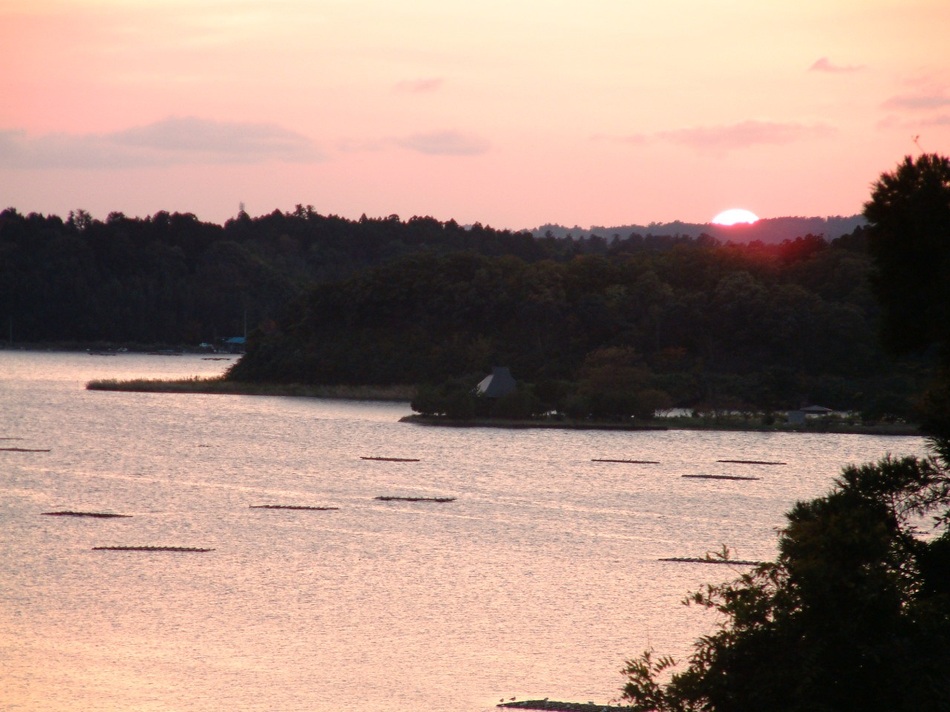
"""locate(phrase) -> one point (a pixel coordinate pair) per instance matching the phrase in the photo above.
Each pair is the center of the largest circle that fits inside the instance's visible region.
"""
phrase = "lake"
(539, 579)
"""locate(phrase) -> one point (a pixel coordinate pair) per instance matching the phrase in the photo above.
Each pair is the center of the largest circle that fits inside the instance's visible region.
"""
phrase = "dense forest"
(692, 323)
(171, 279)
(854, 611)
(624, 324)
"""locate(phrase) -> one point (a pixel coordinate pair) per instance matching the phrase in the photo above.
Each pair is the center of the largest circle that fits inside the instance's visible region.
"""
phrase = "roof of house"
(498, 384)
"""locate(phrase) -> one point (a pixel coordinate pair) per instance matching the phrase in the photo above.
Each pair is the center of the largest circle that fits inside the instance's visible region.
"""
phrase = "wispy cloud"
(826, 65)
(730, 137)
(630, 139)
(919, 101)
(171, 141)
(745, 134)
(420, 86)
(444, 143)
(432, 143)
(916, 123)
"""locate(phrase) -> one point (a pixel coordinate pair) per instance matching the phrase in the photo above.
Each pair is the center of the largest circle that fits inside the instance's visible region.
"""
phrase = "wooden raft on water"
(97, 515)
(752, 462)
(631, 462)
(720, 477)
(292, 506)
(699, 560)
(391, 459)
(555, 706)
(391, 498)
(176, 549)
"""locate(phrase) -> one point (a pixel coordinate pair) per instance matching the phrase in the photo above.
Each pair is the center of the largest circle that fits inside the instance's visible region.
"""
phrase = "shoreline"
(404, 394)
(674, 423)
(219, 386)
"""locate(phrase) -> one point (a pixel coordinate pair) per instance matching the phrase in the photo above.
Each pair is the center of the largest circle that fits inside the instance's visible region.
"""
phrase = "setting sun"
(735, 215)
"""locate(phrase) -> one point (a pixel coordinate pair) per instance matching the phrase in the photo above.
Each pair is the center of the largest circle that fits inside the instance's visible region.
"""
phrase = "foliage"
(909, 216)
(172, 279)
(853, 614)
(325, 300)
(700, 324)
(909, 240)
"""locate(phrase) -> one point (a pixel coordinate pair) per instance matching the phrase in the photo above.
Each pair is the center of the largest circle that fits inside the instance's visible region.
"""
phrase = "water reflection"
(539, 579)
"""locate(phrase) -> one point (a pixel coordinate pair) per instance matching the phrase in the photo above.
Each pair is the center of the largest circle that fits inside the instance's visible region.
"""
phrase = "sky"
(511, 113)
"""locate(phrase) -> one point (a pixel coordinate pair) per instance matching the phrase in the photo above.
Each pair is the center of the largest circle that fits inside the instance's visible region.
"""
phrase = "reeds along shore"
(221, 386)
(405, 393)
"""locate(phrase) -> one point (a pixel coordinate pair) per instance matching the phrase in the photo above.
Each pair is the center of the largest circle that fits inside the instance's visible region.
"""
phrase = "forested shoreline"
(695, 324)
(625, 323)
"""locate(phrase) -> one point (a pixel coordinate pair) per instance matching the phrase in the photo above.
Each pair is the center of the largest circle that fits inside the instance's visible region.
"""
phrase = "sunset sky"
(512, 113)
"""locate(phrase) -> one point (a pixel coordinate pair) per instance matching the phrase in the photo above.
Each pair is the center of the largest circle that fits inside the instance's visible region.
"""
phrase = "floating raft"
(632, 462)
(392, 459)
(389, 498)
(188, 549)
(562, 706)
(22, 449)
(292, 506)
(97, 515)
(720, 477)
(752, 462)
(687, 560)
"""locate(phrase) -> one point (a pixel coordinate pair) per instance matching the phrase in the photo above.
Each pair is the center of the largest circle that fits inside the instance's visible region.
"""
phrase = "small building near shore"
(233, 345)
(798, 417)
(499, 383)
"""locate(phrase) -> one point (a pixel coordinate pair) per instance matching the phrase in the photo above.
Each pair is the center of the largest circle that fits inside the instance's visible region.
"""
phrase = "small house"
(797, 417)
(234, 345)
(499, 383)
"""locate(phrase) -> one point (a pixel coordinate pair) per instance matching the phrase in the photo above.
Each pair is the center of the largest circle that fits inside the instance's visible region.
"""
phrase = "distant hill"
(769, 231)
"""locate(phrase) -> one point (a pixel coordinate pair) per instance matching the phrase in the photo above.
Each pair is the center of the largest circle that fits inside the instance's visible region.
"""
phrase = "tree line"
(610, 333)
(612, 325)
(854, 612)
(172, 279)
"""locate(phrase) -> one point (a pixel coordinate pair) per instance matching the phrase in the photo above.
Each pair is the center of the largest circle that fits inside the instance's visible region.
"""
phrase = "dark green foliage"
(909, 239)
(520, 404)
(853, 615)
(909, 216)
(173, 279)
(332, 301)
(455, 399)
(711, 325)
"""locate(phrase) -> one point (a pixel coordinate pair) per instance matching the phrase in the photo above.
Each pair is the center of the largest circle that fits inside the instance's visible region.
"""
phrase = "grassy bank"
(734, 423)
(561, 423)
(737, 422)
(223, 387)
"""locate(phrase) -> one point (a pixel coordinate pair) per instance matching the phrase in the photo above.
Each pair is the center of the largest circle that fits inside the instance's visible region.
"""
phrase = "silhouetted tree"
(854, 614)
(909, 239)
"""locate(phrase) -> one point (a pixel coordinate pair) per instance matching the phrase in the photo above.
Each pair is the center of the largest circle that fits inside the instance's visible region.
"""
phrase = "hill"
(694, 324)
(770, 231)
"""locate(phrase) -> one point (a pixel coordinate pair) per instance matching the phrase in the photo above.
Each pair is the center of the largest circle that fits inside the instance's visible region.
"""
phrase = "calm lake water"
(538, 580)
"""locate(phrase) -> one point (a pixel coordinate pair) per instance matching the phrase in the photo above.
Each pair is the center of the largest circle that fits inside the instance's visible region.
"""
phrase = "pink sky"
(512, 113)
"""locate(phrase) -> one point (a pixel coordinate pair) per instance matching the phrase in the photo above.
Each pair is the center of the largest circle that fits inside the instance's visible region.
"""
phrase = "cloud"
(420, 86)
(826, 65)
(923, 101)
(171, 141)
(629, 139)
(444, 143)
(730, 137)
(744, 134)
(903, 123)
